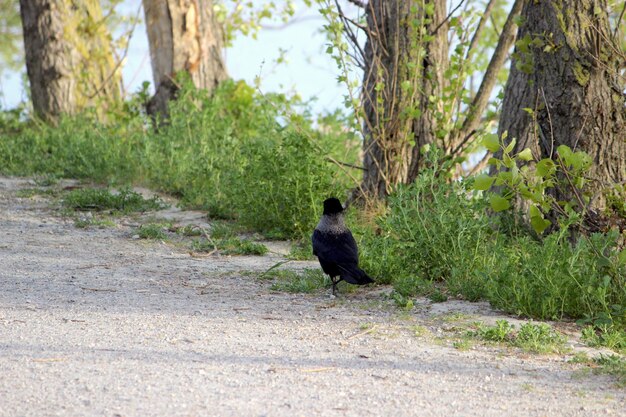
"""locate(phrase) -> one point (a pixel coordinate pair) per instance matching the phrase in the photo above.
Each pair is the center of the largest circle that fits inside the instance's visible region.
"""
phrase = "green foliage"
(531, 337)
(10, 35)
(613, 365)
(554, 187)
(237, 154)
(432, 230)
(554, 278)
(231, 245)
(539, 338)
(608, 336)
(305, 281)
(124, 201)
(228, 154)
(154, 231)
(501, 332)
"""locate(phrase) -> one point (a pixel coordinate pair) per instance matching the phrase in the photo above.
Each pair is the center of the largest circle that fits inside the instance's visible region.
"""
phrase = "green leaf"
(483, 182)
(491, 142)
(525, 155)
(510, 146)
(545, 167)
(534, 211)
(499, 203)
(621, 258)
(539, 224)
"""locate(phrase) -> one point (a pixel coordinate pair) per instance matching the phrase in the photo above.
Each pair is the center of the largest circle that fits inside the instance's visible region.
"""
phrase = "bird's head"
(332, 206)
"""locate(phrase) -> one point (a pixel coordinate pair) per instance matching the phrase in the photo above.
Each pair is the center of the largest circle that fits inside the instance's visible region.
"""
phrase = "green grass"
(612, 365)
(305, 281)
(260, 163)
(531, 337)
(229, 246)
(124, 201)
(31, 192)
(605, 336)
(155, 231)
(84, 223)
(190, 230)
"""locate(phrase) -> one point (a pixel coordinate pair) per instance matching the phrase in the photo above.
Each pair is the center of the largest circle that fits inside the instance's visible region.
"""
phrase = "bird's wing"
(338, 248)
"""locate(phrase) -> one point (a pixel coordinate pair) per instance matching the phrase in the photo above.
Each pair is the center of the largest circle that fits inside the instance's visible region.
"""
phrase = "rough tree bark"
(184, 37)
(402, 70)
(566, 68)
(68, 56)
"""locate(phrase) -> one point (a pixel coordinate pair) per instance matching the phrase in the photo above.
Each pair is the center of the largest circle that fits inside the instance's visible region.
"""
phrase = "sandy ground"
(95, 323)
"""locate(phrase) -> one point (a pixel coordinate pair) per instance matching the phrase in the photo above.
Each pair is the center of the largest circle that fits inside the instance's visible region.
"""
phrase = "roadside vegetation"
(261, 162)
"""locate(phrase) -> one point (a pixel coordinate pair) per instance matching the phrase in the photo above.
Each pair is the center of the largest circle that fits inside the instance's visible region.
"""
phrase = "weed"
(83, 223)
(125, 201)
(437, 296)
(229, 246)
(154, 231)
(462, 344)
(613, 365)
(420, 331)
(301, 251)
(190, 230)
(402, 301)
(535, 338)
(31, 192)
(237, 246)
(306, 281)
(606, 336)
(501, 332)
(539, 338)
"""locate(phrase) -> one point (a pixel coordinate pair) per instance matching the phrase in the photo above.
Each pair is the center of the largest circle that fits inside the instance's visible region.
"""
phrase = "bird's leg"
(334, 285)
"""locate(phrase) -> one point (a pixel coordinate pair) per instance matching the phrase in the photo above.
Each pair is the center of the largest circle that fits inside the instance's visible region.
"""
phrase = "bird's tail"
(355, 275)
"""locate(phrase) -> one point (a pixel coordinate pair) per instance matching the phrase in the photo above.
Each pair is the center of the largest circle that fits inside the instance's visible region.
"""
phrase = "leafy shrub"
(229, 153)
(554, 278)
(433, 229)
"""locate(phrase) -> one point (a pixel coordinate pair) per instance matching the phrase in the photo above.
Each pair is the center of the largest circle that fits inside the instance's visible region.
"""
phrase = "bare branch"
(447, 17)
(489, 80)
(120, 60)
(619, 20)
(479, 29)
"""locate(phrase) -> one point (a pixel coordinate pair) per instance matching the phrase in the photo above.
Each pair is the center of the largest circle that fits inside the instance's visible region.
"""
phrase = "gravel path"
(94, 323)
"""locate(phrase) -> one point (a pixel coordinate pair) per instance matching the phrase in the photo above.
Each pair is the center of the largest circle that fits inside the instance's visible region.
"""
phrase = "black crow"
(335, 247)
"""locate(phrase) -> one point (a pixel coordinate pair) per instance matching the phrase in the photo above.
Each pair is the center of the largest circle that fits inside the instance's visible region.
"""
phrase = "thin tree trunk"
(68, 56)
(184, 37)
(566, 69)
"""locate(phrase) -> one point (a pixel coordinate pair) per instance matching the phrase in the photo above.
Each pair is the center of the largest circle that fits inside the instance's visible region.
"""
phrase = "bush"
(554, 278)
(433, 229)
(229, 153)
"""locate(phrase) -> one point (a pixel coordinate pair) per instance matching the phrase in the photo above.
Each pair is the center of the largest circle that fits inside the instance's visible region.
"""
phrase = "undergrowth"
(262, 161)
(100, 199)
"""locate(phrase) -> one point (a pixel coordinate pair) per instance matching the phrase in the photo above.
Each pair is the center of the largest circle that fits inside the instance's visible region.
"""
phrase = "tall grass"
(233, 154)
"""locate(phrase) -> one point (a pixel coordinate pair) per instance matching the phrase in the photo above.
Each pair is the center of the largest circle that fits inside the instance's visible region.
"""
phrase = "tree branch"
(619, 20)
(358, 3)
(447, 18)
(479, 29)
(489, 79)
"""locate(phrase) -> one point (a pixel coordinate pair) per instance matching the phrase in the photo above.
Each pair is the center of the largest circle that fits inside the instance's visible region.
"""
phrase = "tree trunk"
(68, 56)
(184, 37)
(402, 70)
(566, 68)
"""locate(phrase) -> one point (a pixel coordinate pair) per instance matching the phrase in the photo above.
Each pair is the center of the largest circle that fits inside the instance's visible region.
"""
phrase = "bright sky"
(308, 70)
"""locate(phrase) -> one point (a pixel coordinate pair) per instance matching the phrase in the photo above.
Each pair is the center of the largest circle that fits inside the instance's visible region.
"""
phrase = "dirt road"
(95, 323)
